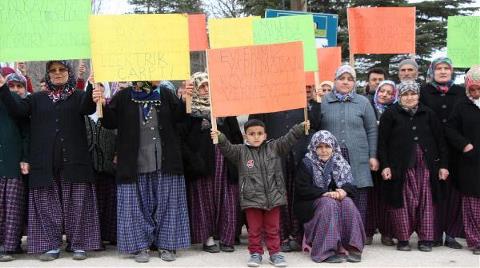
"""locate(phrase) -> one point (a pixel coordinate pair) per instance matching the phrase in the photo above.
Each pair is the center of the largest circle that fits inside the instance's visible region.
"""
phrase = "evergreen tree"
(166, 6)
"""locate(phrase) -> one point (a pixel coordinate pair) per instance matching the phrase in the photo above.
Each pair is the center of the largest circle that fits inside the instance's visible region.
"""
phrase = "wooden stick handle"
(214, 128)
(316, 75)
(188, 104)
(99, 106)
(305, 113)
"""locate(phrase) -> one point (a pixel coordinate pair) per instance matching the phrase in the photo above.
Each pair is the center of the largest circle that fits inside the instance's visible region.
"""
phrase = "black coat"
(441, 103)
(63, 120)
(199, 151)
(399, 132)
(123, 114)
(463, 128)
(306, 192)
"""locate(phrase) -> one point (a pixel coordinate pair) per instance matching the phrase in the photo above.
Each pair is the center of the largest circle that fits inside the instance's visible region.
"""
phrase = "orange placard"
(256, 79)
(381, 30)
(197, 29)
(309, 78)
(329, 59)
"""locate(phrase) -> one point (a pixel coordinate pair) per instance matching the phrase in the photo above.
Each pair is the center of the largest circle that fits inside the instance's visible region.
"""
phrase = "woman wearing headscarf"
(101, 145)
(350, 117)
(440, 94)
(385, 96)
(324, 187)
(413, 157)
(12, 186)
(212, 180)
(463, 132)
(151, 196)
(62, 196)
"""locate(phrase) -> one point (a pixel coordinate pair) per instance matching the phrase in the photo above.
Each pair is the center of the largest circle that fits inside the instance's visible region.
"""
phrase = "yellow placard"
(140, 47)
(231, 32)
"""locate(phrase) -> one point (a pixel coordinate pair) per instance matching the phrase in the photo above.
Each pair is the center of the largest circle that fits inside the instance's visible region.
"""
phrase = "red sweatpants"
(267, 222)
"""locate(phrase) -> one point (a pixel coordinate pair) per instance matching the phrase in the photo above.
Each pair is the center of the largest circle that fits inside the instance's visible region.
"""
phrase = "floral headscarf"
(200, 104)
(382, 107)
(340, 71)
(431, 74)
(405, 86)
(472, 78)
(336, 168)
(60, 92)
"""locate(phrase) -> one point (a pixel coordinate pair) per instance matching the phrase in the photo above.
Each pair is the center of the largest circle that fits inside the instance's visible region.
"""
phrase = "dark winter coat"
(199, 151)
(399, 132)
(55, 123)
(463, 128)
(261, 180)
(123, 114)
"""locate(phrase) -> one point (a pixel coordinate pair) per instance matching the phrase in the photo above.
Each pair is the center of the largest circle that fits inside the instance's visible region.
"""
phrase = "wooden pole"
(316, 75)
(213, 119)
(305, 114)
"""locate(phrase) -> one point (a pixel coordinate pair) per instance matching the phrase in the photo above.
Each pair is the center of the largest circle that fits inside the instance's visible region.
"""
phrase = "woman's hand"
(468, 148)
(97, 94)
(24, 168)
(374, 165)
(334, 195)
(443, 174)
(342, 193)
(387, 174)
(187, 90)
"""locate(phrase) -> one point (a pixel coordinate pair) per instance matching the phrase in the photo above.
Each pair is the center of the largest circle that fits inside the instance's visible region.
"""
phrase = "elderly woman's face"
(442, 73)
(344, 84)
(385, 94)
(324, 151)
(409, 99)
(17, 88)
(203, 90)
(474, 91)
(58, 73)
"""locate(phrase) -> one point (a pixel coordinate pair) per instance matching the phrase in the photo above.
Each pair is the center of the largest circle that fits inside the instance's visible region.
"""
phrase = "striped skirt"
(335, 226)
(417, 213)
(152, 211)
(63, 207)
(213, 205)
(107, 206)
(12, 212)
(471, 220)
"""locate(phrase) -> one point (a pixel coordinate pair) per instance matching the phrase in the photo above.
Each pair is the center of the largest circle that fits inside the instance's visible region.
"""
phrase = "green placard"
(463, 40)
(44, 30)
(289, 29)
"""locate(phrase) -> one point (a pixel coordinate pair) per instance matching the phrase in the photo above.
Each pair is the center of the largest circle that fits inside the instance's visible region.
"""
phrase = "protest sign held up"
(256, 79)
(197, 27)
(34, 30)
(289, 29)
(128, 48)
(392, 28)
(231, 32)
(463, 39)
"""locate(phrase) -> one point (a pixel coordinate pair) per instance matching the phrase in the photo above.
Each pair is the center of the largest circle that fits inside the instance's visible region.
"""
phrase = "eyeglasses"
(59, 70)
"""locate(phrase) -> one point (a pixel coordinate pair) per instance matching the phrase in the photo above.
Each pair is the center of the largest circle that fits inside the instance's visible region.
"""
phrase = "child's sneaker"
(278, 260)
(255, 260)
